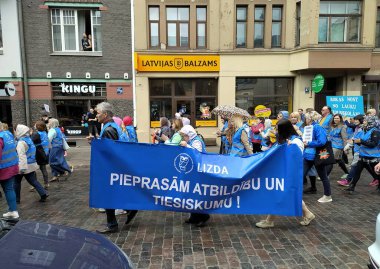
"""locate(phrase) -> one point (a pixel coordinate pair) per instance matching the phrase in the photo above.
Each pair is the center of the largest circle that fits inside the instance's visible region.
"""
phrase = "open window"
(76, 30)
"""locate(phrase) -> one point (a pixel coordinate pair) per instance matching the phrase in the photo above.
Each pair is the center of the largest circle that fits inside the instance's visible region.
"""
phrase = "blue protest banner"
(347, 106)
(173, 178)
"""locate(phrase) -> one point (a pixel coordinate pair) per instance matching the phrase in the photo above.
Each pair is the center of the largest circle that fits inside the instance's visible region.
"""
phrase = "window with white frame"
(76, 30)
(340, 21)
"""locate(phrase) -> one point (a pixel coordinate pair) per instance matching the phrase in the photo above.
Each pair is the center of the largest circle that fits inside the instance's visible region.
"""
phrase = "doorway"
(332, 85)
(6, 112)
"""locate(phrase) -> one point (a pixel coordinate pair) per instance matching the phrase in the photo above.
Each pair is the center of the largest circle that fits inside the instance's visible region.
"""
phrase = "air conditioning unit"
(68, 75)
(107, 75)
(126, 76)
(88, 75)
(48, 74)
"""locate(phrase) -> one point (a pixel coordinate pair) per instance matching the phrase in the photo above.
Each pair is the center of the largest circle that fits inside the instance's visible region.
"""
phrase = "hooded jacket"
(22, 148)
(285, 114)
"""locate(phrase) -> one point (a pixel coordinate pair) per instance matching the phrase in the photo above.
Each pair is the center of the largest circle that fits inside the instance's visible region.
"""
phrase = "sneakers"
(43, 198)
(344, 182)
(319, 179)
(32, 189)
(306, 220)
(374, 183)
(265, 224)
(72, 168)
(54, 179)
(120, 212)
(11, 215)
(344, 176)
(101, 210)
(325, 199)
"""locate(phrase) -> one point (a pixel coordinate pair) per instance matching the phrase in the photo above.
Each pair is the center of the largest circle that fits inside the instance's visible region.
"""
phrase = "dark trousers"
(364, 163)
(111, 219)
(32, 180)
(256, 147)
(341, 165)
(92, 130)
(44, 173)
(322, 173)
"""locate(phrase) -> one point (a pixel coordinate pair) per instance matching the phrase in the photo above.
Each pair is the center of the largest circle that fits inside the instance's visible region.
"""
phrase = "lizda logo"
(77, 88)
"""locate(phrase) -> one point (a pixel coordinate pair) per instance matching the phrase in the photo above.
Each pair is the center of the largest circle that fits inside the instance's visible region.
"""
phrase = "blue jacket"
(114, 125)
(238, 148)
(366, 151)
(9, 156)
(31, 152)
(285, 114)
(319, 139)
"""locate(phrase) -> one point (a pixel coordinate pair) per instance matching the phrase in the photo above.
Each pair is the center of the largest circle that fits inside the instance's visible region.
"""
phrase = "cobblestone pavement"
(337, 238)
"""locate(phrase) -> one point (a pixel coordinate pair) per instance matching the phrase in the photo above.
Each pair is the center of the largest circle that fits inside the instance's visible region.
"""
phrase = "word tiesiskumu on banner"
(173, 178)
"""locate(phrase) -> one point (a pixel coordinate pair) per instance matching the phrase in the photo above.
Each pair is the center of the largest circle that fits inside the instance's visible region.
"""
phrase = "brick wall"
(116, 57)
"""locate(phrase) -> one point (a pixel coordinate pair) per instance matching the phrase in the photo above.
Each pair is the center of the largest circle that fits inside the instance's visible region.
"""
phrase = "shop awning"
(74, 3)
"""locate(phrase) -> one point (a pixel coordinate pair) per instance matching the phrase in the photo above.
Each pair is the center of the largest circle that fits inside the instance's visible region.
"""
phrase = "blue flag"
(174, 178)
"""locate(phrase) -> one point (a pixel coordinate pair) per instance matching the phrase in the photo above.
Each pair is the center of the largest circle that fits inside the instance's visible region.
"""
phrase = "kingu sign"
(77, 88)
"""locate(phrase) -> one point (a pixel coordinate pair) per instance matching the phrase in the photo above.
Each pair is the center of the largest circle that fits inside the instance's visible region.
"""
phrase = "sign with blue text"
(347, 106)
(174, 178)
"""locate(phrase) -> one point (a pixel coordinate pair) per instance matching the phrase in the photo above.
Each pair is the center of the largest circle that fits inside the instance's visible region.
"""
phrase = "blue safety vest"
(113, 125)
(299, 125)
(238, 148)
(366, 151)
(357, 135)
(265, 142)
(58, 139)
(44, 141)
(326, 123)
(31, 152)
(9, 155)
(200, 140)
(131, 133)
(335, 136)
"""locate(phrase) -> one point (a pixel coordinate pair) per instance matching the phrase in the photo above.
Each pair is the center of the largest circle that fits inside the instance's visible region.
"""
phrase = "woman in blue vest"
(288, 135)
(338, 138)
(59, 145)
(41, 141)
(8, 170)
(369, 150)
(129, 132)
(240, 143)
(27, 163)
(192, 140)
(319, 139)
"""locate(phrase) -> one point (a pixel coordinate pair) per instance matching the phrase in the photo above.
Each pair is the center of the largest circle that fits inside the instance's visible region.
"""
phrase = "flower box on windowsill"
(79, 53)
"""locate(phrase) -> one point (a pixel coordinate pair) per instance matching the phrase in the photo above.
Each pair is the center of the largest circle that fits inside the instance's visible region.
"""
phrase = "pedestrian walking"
(111, 131)
(41, 141)
(319, 139)
(192, 140)
(8, 170)
(59, 145)
(288, 135)
(27, 163)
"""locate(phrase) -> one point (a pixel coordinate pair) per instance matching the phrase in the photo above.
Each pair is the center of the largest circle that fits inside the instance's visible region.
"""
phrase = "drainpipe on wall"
(23, 61)
(133, 62)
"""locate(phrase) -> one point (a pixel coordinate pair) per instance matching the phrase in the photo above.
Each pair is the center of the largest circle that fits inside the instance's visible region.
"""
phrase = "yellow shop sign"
(177, 63)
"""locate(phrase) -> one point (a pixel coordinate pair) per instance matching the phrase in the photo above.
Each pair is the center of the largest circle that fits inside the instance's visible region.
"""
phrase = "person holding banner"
(192, 140)
(319, 139)
(287, 134)
(111, 131)
(240, 143)
(176, 138)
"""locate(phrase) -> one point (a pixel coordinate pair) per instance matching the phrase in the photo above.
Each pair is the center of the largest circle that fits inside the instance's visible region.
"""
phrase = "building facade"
(11, 86)
(78, 54)
(267, 54)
